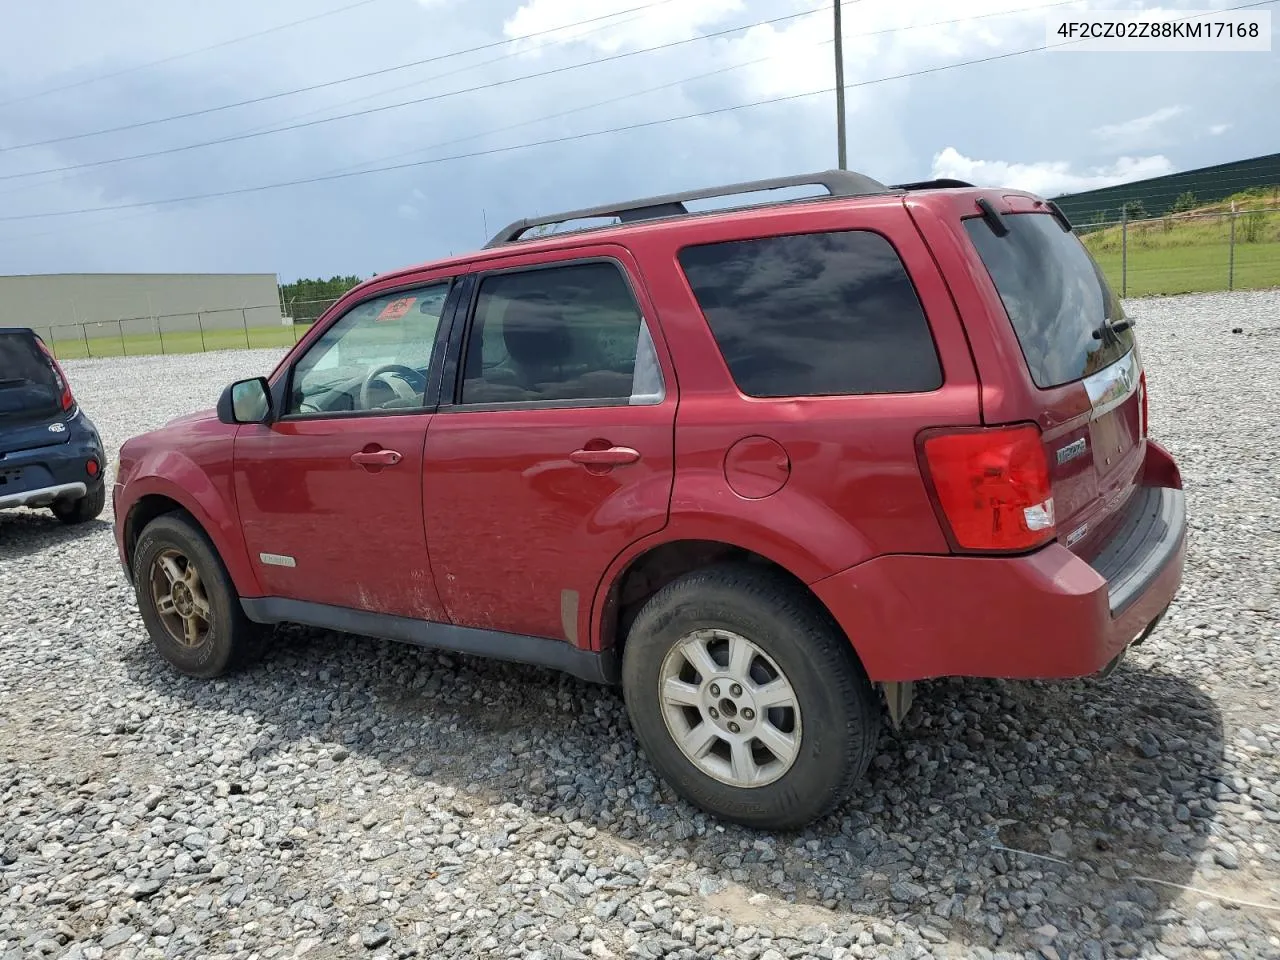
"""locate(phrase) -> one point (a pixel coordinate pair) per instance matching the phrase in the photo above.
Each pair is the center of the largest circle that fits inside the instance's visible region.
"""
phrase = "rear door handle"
(376, 458)
(608, 457)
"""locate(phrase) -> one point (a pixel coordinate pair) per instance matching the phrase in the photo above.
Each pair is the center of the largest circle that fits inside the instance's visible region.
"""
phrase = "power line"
(638, 93)
(180, 56)
(486, 133)
(522, 146)
(406, 103)
(319, 86)
(700, 76)
(471, 66)
(557, 140)
(416, 83)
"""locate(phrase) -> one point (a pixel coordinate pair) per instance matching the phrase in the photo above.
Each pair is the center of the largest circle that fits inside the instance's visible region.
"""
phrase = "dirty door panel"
(555, 452)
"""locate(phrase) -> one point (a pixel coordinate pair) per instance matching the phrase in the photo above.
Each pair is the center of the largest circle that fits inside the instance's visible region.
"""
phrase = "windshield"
(1055, 296)
(28, 386)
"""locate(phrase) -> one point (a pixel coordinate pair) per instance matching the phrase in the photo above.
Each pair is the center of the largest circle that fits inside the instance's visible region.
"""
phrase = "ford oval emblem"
(57, 427)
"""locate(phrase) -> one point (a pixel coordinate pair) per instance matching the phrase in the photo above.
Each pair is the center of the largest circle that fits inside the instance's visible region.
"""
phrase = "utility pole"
(839, 34)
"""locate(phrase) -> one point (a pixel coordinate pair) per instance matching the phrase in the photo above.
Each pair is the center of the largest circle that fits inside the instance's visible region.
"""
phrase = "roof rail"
(839, 183)
(940, 184)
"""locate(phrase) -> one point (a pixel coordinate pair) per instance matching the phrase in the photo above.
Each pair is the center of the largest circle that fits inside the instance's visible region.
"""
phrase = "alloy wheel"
(729, 708)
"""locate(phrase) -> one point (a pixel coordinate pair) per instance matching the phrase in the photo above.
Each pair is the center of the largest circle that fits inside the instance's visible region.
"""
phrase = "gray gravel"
(347, 797)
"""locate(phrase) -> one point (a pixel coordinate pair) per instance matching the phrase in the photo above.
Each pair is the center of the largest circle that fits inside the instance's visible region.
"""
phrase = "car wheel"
(187, 601)
(84, 509)
(748, 698)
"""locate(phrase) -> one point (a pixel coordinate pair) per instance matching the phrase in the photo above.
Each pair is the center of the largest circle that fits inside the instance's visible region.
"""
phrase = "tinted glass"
(28, 385)
(560, 333)
(1055, 295)
(344, 369)
(814, 314)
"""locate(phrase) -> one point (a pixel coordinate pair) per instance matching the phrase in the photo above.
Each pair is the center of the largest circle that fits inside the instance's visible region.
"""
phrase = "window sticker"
(395, 309)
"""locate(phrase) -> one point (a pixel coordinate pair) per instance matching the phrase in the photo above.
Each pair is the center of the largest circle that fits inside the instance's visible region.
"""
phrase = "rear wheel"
(82, 510)
(187, 600)
(748, 698)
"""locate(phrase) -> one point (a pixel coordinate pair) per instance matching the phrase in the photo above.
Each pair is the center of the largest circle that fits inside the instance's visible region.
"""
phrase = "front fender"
(208, 498)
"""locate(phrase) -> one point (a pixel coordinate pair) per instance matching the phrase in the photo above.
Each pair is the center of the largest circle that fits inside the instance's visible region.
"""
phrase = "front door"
(330, 493)
(555, 452)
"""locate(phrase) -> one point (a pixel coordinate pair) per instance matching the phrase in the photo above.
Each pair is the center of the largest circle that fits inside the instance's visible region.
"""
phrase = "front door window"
(375, 358)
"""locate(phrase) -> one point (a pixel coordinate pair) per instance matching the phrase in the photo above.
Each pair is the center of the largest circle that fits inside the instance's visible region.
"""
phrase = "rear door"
(554, 450)
(31, 394)
(1083, 364)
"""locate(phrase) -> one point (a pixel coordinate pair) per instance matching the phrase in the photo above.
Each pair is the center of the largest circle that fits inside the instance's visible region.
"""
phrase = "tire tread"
(760, 590)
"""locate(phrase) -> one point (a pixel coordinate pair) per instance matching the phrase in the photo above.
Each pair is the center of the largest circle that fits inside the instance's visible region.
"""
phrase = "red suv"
(764, 465)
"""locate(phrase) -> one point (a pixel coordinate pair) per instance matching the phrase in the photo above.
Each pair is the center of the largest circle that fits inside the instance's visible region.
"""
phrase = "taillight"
(993, 487)
(68, 400)
(1143, 423)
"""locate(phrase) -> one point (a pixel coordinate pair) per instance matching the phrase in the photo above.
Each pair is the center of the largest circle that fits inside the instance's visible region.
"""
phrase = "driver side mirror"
(246, 401)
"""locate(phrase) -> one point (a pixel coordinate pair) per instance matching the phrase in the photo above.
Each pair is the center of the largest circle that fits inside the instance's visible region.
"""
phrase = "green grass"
(1191, 254)
(1193, 269)
(178, 341)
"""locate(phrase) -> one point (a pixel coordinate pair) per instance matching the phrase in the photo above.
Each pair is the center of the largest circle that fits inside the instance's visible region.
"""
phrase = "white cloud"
(407, 211)
(1139, 132)
(895, 128)
(673, 20)
(1046, 178)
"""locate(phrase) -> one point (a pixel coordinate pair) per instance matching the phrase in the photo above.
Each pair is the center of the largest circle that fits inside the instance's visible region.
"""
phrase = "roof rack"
(940, 184)
(839, 183)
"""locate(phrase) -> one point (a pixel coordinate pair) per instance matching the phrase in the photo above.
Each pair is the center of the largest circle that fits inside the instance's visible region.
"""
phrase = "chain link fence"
(233, 328)
(1195, 252)
(1190, 252)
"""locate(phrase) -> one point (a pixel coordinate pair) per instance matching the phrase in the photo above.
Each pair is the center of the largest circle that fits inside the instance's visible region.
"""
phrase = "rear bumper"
(1045, 615)
(37, 476)
(43, 496)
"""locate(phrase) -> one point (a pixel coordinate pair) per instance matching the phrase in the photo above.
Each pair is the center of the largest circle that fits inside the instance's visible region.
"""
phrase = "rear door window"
(1055, 295)
(29, 387)
(816, 314)
(564, 334)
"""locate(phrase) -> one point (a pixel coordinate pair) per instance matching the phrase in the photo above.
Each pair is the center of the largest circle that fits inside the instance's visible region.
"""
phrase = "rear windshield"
(1055, 295)
(28, 385)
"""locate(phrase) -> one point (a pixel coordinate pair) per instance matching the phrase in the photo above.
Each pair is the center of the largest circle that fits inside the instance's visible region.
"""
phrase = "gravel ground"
(348, 797)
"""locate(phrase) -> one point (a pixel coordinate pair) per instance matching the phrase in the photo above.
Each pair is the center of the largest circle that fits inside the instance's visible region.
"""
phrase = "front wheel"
(748, 698)
(187, 600)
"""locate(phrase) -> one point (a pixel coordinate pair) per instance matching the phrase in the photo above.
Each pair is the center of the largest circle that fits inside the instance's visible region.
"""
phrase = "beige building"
(57, 305)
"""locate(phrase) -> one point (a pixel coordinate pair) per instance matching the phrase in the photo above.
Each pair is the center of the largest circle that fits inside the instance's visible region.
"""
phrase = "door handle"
(376, 458)
(608, 457)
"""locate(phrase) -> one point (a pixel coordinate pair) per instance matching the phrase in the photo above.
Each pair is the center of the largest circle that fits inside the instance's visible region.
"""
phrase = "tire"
(836, 711)
(229, 636)
(84, 509)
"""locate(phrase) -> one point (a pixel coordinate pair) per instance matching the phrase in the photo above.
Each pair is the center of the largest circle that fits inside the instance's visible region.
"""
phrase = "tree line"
(304, 300)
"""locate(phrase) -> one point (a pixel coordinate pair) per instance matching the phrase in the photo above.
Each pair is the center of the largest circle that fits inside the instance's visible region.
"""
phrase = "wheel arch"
(155, 496)
(636, 578)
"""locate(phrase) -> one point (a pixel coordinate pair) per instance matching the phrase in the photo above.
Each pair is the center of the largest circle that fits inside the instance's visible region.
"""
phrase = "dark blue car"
(50, 452)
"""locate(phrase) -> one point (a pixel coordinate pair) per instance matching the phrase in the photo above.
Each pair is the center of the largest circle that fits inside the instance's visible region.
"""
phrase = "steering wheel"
(400, 384)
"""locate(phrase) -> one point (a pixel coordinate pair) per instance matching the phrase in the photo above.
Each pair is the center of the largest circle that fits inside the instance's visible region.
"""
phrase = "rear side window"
(28, 385)
(1055, 295)
(816, 314)
(569, 333)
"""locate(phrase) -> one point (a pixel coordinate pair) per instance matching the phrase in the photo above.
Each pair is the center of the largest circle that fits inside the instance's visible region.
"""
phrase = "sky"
(736, 90)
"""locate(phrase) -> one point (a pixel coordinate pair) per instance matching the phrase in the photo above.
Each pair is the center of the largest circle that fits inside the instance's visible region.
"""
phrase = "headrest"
(535, 333)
